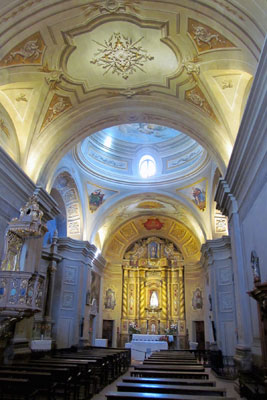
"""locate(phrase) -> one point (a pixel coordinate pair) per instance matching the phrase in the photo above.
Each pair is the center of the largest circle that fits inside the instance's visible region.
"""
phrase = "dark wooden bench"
(33, 382)
(169, 389)
(191, 368)
(170, 374)
(16, 388)
(170, 362)
(158, 396)
(61, 380)
(170, 381)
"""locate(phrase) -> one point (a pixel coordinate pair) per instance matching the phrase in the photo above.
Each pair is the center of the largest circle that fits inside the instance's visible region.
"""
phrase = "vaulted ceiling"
(70, 68)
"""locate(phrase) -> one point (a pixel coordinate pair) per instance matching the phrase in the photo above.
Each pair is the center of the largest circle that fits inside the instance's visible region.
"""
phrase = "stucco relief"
(205, 37)
(120, 55)
(196, 97)
(29, 51)
(57, 106)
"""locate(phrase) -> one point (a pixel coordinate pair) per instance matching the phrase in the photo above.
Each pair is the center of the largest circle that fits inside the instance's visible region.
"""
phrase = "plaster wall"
(193, 280)
(113, 280)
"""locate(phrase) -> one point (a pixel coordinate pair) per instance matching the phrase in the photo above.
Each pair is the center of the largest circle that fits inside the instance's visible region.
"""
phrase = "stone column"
(219, 305)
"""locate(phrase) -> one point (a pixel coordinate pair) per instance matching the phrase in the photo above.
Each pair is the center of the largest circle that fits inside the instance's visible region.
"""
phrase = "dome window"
(147, 166)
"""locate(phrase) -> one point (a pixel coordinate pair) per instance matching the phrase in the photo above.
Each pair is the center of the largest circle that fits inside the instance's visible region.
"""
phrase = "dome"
(114, 154)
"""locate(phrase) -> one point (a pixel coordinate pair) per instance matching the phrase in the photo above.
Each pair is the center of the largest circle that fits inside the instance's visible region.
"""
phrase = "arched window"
(147, 166)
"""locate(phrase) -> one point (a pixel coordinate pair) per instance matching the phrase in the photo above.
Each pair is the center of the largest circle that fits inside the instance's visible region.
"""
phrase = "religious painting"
(110, 301)
(96, 198)
(196, 193)
(199, 196)
(95, 290)
(197, 300)
(153, 250)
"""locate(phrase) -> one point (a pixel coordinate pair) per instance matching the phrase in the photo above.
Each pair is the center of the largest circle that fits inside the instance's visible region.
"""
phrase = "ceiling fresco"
(142, 133)
(89, 87)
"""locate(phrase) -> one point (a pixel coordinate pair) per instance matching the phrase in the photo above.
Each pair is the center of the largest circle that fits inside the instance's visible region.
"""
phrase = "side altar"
(142, 345)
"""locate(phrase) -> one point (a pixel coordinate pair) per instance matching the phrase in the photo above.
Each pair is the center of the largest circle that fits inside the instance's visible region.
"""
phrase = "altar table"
(142, 345)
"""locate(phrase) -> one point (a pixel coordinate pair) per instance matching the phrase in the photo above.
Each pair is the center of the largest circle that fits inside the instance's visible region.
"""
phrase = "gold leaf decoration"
(27, 52)
(196, 97)
(206, 38)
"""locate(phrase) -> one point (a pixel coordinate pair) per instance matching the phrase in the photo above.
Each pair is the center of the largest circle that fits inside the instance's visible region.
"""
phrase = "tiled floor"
(229, 385)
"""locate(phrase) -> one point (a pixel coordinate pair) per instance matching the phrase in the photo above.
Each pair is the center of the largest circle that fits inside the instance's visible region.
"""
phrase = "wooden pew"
(60, 378)
(170, 381)
(191, 368)
(158, 396)
(171, 389)
(37, 382)
(19, 388)
(169, 374)
(170, 362)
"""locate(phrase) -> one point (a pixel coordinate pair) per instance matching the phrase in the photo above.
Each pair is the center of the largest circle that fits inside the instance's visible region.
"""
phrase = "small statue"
(255, 266)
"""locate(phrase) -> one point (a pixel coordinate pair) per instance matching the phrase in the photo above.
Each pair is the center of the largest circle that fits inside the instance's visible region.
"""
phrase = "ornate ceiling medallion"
(121, 55)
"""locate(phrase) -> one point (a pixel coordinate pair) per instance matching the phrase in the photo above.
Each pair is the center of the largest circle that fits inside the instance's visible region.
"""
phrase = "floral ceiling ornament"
(121, 55)
(227, 84)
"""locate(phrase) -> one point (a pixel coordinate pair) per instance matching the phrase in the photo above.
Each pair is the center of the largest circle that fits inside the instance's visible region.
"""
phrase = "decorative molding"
(29, 51)
(191, 66)
(129, 93)
(57, 106)
(228, 8)
(19, 9)
(120, 55)
(206, 38)
(70, 275)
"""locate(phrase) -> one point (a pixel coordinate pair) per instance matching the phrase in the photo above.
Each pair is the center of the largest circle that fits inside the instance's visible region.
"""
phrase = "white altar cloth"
(149, 338)
(41, 344)
(139, 349)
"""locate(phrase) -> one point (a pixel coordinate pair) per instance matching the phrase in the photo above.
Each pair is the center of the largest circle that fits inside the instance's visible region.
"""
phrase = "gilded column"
(125, 294)
(181, 294)
(142, 294)
(164, 296)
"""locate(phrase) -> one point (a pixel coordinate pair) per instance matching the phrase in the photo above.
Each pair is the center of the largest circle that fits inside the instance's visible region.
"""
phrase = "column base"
(243, 358)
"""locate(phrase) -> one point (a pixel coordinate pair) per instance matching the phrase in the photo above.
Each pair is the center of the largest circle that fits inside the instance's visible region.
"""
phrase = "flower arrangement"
(172, 330)
(163, 338)
(133, 328)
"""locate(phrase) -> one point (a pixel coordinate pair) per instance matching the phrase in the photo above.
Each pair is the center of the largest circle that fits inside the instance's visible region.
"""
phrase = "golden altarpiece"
(153, 299)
